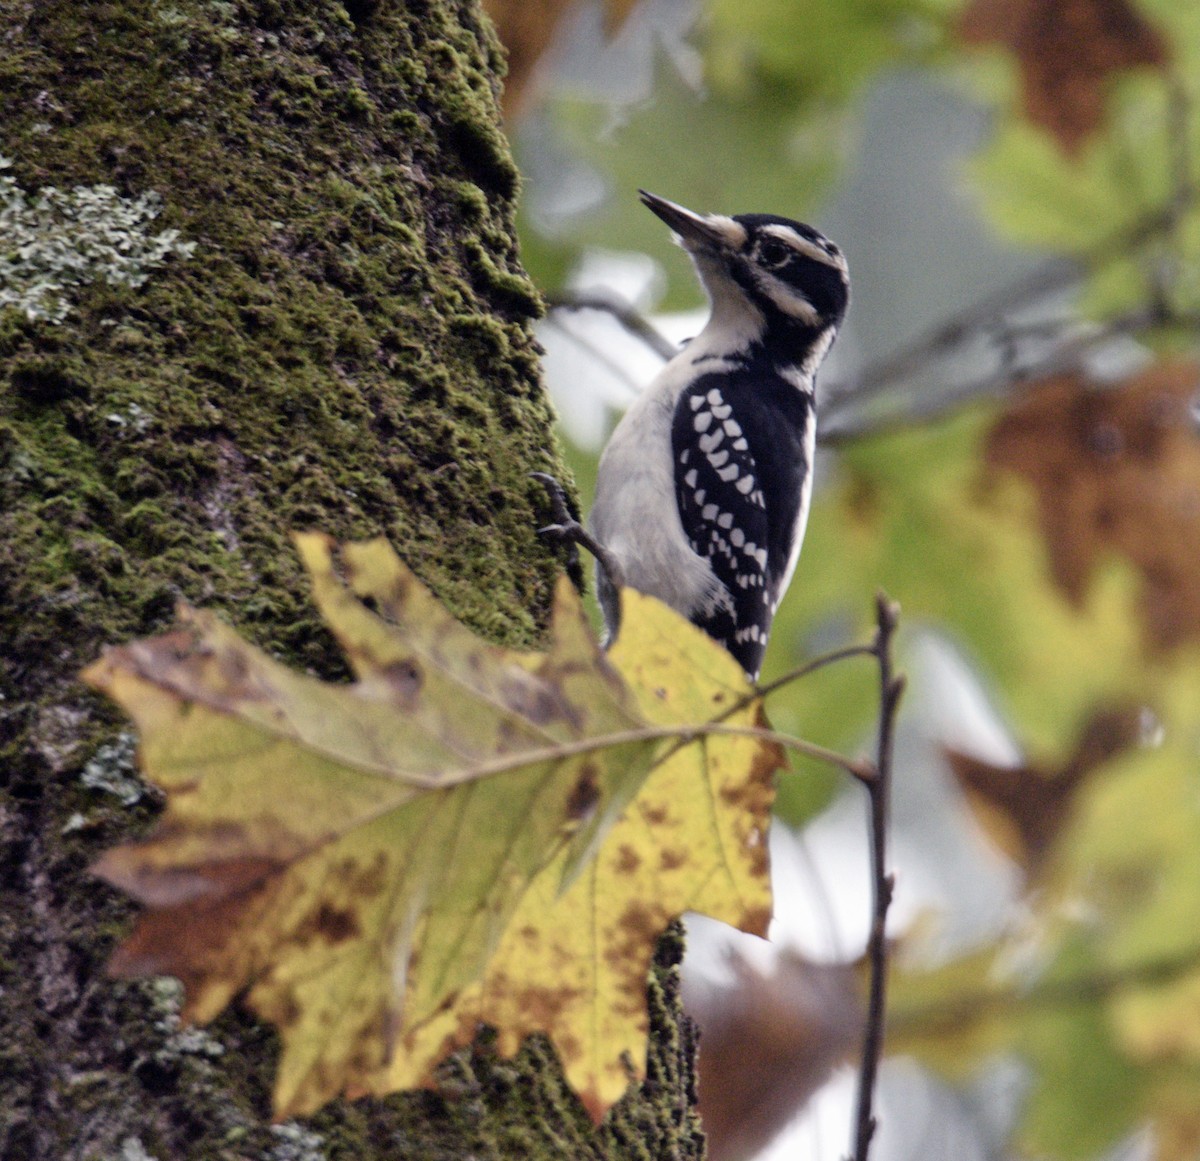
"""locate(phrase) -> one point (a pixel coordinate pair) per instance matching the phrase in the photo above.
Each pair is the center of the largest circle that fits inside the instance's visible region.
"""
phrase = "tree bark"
(348, 346)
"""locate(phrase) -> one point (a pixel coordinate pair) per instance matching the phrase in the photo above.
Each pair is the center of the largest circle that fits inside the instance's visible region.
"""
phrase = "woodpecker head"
(764, 274)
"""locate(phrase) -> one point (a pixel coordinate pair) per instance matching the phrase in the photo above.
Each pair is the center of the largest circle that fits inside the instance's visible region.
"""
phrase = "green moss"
(310, 334)
(348, 346)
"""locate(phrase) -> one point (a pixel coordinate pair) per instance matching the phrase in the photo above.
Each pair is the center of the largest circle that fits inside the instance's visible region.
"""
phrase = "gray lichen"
(113, 769)
(179, 1039)
(54, 241)
(132, 1149)
(293, 1142)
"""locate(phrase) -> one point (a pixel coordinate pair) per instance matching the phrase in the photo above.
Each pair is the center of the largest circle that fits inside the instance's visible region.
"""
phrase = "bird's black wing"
(724, 517)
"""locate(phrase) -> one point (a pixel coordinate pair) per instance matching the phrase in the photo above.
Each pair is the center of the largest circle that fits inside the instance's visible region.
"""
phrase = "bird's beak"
(696, 231)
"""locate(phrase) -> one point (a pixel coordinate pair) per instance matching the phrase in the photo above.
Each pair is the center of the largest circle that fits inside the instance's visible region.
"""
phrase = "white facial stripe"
(797, 378)
(786, 299)
(817, 353)
(731, 234)
(809, 249)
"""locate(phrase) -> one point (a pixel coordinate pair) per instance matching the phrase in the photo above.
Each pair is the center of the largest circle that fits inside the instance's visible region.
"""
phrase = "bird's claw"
(565, 529)
(562, 531)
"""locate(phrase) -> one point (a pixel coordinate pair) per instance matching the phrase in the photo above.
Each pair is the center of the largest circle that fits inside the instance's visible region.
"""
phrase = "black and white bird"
(703, 491)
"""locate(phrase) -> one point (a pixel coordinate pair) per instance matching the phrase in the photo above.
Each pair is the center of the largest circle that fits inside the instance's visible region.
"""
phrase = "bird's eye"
(772, 252)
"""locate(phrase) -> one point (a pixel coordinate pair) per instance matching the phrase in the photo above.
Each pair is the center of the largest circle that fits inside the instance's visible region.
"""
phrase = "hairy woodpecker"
(703, 490)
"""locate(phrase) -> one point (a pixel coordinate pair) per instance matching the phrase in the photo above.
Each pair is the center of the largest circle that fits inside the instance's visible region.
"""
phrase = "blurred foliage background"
(1011, 449)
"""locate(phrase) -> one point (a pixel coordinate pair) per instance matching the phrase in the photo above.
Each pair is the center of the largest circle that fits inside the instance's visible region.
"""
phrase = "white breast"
(635, 514)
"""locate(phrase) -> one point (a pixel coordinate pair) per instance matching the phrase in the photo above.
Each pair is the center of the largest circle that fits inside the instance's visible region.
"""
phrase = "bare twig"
(594, 351)
(1064, 356)
(1183, 187)
(979, 317)
(845, 413)
(812, 666)
(891, 687)
(625, 313)
(954, 1012)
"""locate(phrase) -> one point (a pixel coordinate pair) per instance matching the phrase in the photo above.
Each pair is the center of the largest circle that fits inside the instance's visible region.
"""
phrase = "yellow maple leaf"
(382, 865)
(573, 964)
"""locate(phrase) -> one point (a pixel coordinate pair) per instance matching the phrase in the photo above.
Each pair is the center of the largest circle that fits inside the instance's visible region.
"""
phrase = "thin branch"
(1064, 357)
(594, 351)
(984, 320)
(1182, 180)
(891, 687)
(862, 770)
(954, 1012)
(625, 314)
(811, 667)
(979, 317)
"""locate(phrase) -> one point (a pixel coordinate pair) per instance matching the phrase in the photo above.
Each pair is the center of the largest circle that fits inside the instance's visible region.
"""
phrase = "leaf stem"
(684, 735)
(862, 770)
(891, 687)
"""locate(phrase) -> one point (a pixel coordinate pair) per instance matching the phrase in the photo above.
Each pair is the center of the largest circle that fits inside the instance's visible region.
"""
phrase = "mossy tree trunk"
(338, 336)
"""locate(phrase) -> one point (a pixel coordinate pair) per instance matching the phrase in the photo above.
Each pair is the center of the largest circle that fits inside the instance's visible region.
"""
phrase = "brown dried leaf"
(1024, 808)
(768, 1042)
(1116, 470)
(1067, 50)
(527, 29)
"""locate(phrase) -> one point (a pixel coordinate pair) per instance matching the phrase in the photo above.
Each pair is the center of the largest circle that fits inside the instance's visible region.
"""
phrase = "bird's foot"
(567, 530)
